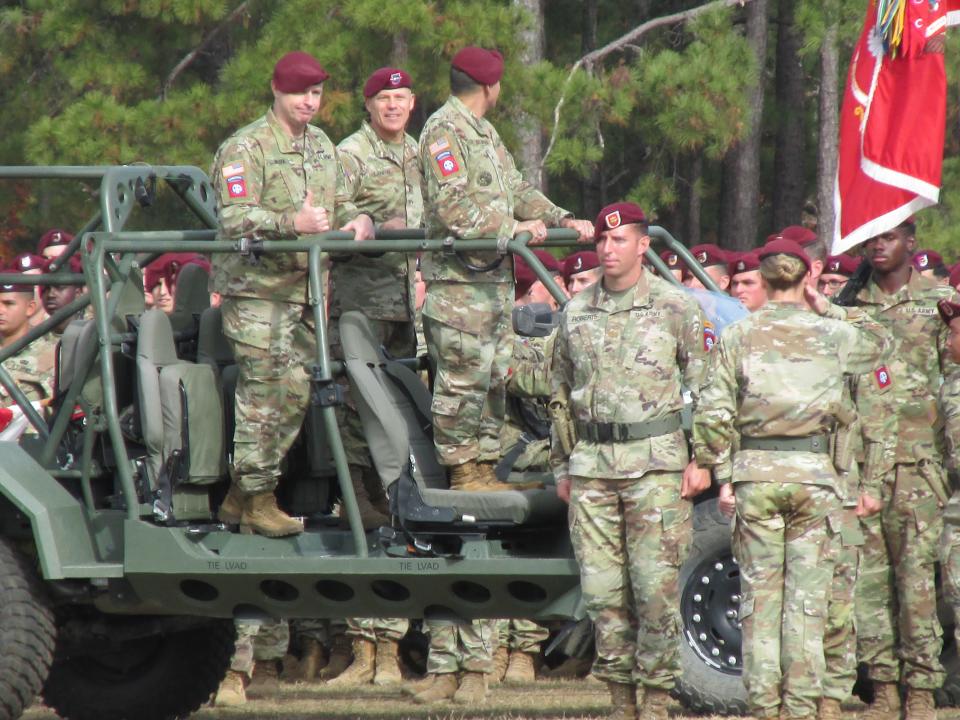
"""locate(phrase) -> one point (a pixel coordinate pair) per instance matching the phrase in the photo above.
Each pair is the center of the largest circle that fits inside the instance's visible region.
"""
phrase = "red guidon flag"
(893, 118)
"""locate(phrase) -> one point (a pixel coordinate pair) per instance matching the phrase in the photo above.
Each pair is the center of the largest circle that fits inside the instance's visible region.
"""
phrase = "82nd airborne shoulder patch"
(446, 162)
(236, 184)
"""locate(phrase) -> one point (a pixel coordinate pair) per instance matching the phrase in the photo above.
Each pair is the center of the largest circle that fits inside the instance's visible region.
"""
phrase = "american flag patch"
(233, 170)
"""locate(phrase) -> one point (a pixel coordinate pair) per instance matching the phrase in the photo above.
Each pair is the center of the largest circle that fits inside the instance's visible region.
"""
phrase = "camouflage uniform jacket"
(528, 391)
(625, 358)
(781, 372)
(32, 369)
(261, 176)
(530, 367)
(472, 189)
(384, 182)
(908, 384)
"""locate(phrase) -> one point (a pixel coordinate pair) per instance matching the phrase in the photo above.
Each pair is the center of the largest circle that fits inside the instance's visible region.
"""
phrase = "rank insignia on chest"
(882, 376)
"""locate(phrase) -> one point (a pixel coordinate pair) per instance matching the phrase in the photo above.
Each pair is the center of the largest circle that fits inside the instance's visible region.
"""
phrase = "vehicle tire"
(158, 677)
(27, 633)
(710, 654)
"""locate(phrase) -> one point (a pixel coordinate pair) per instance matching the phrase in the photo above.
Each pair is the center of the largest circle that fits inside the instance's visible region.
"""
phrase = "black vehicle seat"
(394, 407)
(181, 411)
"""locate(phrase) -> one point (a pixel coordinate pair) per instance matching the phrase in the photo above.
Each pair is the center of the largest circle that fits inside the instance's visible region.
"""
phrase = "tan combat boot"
(312, 659)
(265, 681)
(623, 699)
(472, 476)
(361, 670)
(370, 517)
(231, 509)
(262, 516)
(488, 473)
(387, 667)
(472, 690)
(829, 709)
(654, 706)
(232, 691)
(444, 687)
(520, 668)
(501, 659)
(418, 686)
(886, 702)
(341, 655)
(920, 705)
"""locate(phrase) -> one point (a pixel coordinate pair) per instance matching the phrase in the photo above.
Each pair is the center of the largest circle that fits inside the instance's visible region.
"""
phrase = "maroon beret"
(14, 288)
(954, 278)
(386, 78)
(948, 310)
(27, 261)
(672, 260)
(523, 273)
(482, 65)
(743, 262)
(783, 246)
(927, 259)
(168, 266)
(613, 216)
(74, 265)
(297, 71)
(842, 265)
(579, 262)
(56, 236)
(709, 254)
(798, 233)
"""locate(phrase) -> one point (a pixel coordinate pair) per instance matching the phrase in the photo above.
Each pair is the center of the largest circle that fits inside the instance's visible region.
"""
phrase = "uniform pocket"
(445, 405)
(927, 515)
(676, 532)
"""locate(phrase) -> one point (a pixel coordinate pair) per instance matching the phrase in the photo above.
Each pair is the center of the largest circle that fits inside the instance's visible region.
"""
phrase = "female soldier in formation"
(764, 423)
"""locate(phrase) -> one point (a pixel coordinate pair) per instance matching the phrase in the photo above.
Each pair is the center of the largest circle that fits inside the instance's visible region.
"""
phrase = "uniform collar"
(873, 294)
(601, 300)
(479, 124)
(381, 148)
(285, 143)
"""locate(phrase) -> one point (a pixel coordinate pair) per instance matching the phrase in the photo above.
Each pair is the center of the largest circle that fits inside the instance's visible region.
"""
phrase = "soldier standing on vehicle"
(898, 630)
(276, 179)
(382, 174)
(776, 382)
(625, 351)
(474, 190)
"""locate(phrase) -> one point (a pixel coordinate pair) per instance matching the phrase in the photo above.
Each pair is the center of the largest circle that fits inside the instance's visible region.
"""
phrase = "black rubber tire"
(27, 633)
(153, 678)
(708, 685)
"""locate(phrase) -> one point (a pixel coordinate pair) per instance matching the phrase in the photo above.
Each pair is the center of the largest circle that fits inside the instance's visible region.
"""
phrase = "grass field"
(541, 700)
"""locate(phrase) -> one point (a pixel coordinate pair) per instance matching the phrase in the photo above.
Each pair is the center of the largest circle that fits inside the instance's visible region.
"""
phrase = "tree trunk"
(789, 187)
(829, 129)
(739, 216)
(695, 201)
(401, 50)
(529, 133)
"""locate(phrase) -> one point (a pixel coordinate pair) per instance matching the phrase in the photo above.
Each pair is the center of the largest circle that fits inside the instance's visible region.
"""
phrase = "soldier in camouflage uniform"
(624, 349)
(382, 174)
(898, 630)
(31, 368)
(457, 648)
(774, 390)
(258, 648)
(472, 189)
(278, 178)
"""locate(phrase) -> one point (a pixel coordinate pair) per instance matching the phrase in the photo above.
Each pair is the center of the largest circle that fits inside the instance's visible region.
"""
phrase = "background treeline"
(721, 124)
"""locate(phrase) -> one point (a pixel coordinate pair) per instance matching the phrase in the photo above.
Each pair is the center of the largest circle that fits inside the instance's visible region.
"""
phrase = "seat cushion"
(533, 507)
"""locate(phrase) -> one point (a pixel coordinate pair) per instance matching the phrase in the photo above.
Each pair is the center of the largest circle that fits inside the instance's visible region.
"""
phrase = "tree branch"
(627, 40)
(193, 54)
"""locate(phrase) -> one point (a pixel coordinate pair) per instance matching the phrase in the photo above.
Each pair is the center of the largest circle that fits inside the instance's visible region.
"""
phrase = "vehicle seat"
(394, 407)
(181, 412)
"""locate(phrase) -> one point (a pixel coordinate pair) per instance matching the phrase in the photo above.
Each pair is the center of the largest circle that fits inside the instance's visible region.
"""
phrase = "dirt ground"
(541, 700)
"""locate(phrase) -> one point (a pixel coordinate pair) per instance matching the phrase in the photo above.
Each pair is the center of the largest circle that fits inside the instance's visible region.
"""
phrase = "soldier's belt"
(622, 432)
(810, 443)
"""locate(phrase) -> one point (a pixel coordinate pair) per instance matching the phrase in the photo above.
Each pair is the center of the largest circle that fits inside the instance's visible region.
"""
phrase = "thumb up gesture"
(310, 220)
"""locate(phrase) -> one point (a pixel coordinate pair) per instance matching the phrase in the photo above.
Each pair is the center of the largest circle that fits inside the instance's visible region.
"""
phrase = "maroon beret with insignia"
(56, 236)
(482, 65)
(14, 288)
(708, 254)
(743, 262)
(297, 71)
(579, 262)
(842, 265)
(523, 273)
(782, 246)
(613, 216)
(386, 78)
(672, 260)
(948, 310)
(927, 259)
(27, 261)
(74, 265)
(799, 234)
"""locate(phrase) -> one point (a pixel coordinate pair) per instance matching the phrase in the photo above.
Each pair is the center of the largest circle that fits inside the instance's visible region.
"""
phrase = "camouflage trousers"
(840, 637)
(399, 340)
(272, 343)
(950, 560)
(896, 601)
(782, 541)
(263, 641)
(630, 538)
(456, 647)
(520, 635)
(323, 631)
(374, 629)
(470, 342)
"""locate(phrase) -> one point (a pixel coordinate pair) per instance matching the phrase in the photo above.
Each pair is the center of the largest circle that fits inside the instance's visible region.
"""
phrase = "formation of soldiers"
(829, 428)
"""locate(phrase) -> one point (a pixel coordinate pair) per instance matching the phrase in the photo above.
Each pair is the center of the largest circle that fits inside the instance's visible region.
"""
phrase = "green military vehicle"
(120, 587)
